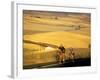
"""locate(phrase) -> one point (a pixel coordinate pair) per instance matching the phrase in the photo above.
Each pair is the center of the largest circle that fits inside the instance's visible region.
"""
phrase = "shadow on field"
(67, 63)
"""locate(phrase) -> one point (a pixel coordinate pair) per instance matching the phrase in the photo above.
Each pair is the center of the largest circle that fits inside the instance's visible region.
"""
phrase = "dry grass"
(68, 39)
(47, 29)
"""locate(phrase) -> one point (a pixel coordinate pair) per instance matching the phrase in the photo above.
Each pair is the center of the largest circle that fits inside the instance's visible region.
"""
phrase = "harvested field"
(44, 32)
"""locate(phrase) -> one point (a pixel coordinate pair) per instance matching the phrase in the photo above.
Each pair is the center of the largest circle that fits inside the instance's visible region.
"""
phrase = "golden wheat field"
(43, 31)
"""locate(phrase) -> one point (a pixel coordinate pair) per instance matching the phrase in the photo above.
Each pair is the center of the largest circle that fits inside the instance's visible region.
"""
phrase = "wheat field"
(43, 29)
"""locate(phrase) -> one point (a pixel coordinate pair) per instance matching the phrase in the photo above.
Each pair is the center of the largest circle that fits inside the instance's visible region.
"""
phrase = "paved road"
(77, 62)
